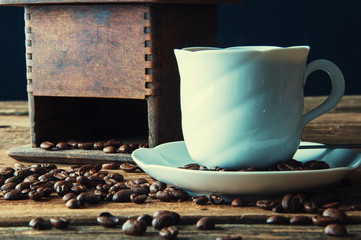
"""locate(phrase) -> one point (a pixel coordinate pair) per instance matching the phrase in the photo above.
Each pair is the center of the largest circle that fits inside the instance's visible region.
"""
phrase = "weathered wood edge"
(74, 156)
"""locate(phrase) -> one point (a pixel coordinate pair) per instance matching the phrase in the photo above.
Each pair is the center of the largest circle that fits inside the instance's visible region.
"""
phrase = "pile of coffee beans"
(290, 165)
(108, 146)
(56, 222)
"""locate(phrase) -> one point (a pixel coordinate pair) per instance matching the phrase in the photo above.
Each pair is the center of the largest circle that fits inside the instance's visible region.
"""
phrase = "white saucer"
(162, 163)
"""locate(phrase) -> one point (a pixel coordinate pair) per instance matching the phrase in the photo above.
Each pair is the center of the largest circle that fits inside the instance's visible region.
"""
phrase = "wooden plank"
(26, 2)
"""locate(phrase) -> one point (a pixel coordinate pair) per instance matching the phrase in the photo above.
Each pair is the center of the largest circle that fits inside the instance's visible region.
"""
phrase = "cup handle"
(337, 90)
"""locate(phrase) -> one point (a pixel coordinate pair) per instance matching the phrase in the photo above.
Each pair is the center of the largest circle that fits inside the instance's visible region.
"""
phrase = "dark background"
(331, 28)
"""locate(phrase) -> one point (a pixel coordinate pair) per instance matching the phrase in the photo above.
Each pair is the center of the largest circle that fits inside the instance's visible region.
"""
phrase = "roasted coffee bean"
(46, 191)
(289, 165)
(229, 238)
(78, 189)
(73, 203)
(278, 209)
(38, 170)
(116, 176)
(128, 167)
(277, 219)
(266, 204)
(133, 146)
(13, 180)
(83, 198)
(118, 186)
(163, 221)
(8, 186)
(140, 181)
(110, 149)
(215, 199)
(134, 227)
(310, 207)
(140, 190)
(23, 173)
(39, 223)
(62, 189)
(60, 176)
(69, 196)
(98, 145)
(7, 172)
(301, 197)
(110, 166)
(47, 177)
(85, 145)
(169, 233)
(157, 186)
(13, 195)
(62, 146)
(93, 199)
(200, 200)
(331, 205)
(291, 203)
(144, 145)
(335, 213)
(124, 148)
(113, 142)
(164, 196)
(108, 220)
(239, 202)
(323, 221)
(175, 215)
(59, 222)
(23, 185)
(205, 223)
(47, 145)
(146, 218)
(336, 230)
(138, 198)
(72, 143)
(35, 196)
(84, 181)
(122, 195)
(314, 164)
(179, 195)
(300, 220)
(192, 166)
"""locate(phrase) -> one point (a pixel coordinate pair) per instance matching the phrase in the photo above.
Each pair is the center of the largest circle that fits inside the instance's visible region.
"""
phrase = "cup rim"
(261, 48)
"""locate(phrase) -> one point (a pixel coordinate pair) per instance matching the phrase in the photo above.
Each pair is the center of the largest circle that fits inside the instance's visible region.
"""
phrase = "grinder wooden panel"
(87, 50)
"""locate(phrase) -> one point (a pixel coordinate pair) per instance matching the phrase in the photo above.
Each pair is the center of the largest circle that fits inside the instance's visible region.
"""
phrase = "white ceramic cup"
(243, 106)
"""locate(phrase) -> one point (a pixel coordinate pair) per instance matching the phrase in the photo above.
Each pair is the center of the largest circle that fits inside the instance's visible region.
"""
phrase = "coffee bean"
(109, 149)
(169, 233)
(47, 145)
(13, 195)
(205, 223)
(277, 219)
(85, 145)
(62, 189)
(23, 185)
(62, 146)
(110, 166)
(68, 196)
(140, 191)
(98, 145)
(323, 221)
(176, 217)
(215, 199)
(331, 205)
(128, 167)
(8, 186)
(93, 199)
(157, 186)
(116, 176)
(266, 204)
(35, 196)
(300, 220)
(310, 207)
(133, 146)
(59, 222)
(278, 209)
(336, 230)
(7, 172)
(239, 202)
(136, 198)
(200, 200)
(72, 143)
(146, 218)
(134, 227)
(108, 220)
(73, 203)
(314, 164)
(113, 142)
(163, 221)
(124, 148)
(291, 203)
(39, 223)
(122, 195)
(335, 213)
(179, 195)
(164, 196)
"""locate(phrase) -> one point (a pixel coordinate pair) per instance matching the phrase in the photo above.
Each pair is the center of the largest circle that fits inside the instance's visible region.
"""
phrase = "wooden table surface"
(341, 126)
